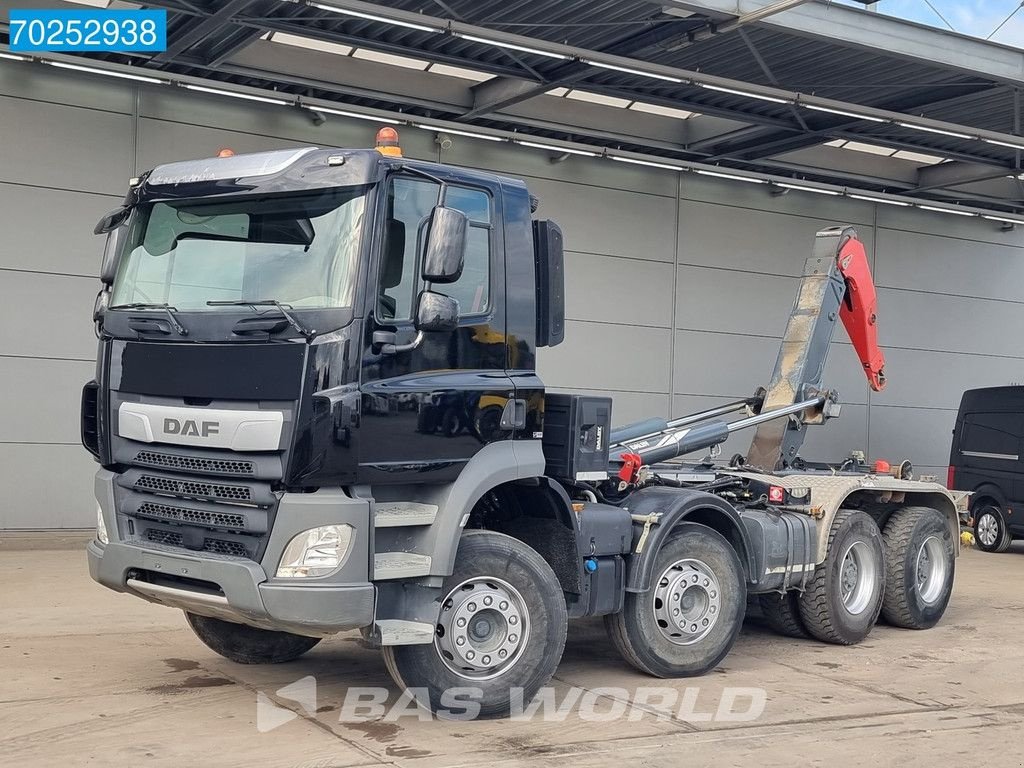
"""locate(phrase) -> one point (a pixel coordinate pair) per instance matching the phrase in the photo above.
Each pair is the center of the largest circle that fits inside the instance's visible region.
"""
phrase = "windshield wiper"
(309, 333)
(167, 308)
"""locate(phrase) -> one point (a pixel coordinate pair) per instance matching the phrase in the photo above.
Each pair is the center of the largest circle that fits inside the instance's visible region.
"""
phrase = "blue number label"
(88, 30)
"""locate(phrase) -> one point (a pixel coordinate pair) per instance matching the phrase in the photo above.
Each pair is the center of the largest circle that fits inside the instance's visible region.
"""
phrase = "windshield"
(300, 250)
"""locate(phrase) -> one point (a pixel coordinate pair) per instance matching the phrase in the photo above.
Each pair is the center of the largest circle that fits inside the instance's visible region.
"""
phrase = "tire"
(855, 552)
(990, 529)
(644, 631)
(490, 569)
(782, 613)
(918, 543)
(248, 645)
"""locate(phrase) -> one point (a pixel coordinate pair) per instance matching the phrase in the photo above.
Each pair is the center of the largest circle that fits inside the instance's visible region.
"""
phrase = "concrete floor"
(89, 677)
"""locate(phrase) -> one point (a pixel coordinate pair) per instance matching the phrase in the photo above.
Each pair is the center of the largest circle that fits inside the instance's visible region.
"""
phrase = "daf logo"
(191, 427)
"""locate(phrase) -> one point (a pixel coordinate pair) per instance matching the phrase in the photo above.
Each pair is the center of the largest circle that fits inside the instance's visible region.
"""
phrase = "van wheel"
(687, 622)
(248, 645)
(844, 597)
(782, 613)
(919, 563)
(502, 626)
(990, 529)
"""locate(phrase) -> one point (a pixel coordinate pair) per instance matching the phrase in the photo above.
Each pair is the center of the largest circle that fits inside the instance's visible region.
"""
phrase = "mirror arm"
(393, 349)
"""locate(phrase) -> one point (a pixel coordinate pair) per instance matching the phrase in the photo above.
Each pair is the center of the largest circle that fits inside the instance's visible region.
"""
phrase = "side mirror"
(112, 220)
(446, 245)
(436, 312)
(112, 254)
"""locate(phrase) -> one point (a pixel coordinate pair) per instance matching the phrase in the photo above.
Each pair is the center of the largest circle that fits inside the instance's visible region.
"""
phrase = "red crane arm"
(859, 310)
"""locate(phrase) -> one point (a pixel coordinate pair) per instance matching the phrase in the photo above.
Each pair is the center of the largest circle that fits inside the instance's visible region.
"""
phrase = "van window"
(994, 434)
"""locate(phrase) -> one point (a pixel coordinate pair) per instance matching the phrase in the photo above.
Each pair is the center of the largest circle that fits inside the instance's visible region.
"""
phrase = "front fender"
(674, 506)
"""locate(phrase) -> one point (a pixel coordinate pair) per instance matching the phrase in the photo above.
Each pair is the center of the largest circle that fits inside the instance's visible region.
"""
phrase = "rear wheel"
(782, 613)
(502, 626)
(844, 597)
(248, 645)
(691, 616)
(919, 563)
(990, 529)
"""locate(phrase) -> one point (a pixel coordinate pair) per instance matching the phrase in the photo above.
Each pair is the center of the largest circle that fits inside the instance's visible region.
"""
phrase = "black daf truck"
(316, 409)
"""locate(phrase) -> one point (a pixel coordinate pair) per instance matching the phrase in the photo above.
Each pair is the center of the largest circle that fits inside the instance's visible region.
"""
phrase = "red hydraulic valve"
(859, 311)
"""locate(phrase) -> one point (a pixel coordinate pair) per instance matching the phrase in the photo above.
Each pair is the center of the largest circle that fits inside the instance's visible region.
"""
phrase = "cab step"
(400, 565)
(396, 514)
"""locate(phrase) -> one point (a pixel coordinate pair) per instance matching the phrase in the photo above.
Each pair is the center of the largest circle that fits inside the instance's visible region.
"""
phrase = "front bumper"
(244, 594)
(237, 589)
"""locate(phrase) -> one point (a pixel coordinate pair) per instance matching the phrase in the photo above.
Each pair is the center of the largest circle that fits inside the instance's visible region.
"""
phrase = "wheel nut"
(513, 619)
(706, 582)
(693, 627)
(470, 655)
(705, 622)
(502, 653)
(460, 641)
(503, 605)
(513, 638)
(460, 623)
(471, 607)
(486, 660)
(714, 594)
(487, 601)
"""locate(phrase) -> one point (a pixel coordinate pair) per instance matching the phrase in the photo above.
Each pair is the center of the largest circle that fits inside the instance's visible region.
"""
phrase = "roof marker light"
(470, 134)
(354, 115)
(870, 199)
(629, 71)
(233, 94)
(748, 94)
(513, 46)
(552, 148)
(801, 188)
(1009, 144)
(939, 131)
(107, 73)
(936, 209)
(372, 17)
(731, 176)
(666, 166)
(844, 113)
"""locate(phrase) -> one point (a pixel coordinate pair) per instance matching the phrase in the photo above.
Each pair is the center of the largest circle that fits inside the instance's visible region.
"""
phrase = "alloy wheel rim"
(482, 629)
(930, 569)
(858, 577)
(988, 529)
(687, 601)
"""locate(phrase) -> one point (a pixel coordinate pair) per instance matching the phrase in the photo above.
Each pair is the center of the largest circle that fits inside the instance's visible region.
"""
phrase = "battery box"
(576, 430)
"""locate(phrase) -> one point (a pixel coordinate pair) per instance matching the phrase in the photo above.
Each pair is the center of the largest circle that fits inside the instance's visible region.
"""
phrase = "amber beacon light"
(387, 142)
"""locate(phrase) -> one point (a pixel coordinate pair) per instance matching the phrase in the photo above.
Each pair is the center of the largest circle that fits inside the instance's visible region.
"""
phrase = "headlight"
(316, 552)
(101, 527)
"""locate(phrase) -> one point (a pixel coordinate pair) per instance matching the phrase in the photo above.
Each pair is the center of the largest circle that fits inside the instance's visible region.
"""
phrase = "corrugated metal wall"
(678, 286)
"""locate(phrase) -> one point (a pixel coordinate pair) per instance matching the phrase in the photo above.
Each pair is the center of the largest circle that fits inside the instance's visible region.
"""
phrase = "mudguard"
(656, 511)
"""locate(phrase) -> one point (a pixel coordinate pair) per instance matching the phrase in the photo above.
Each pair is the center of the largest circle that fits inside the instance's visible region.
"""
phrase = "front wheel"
(500, 632)
(248, 645)
(687, 622)
(919, 561)
(990, 529)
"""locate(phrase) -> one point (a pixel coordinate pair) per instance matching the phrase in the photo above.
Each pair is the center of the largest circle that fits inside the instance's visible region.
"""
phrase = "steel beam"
(955, 174)
(200, 31)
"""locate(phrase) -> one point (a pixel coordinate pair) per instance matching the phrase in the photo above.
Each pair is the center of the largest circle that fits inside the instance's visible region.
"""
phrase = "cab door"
(427, 410)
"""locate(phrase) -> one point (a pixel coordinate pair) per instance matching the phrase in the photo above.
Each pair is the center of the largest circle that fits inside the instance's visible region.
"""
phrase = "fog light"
(101, 527)
(316, 552)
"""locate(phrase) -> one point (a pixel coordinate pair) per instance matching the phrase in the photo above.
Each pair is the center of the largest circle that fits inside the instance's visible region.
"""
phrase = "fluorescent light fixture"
(13, 57)
(748, 94)
(310, 43)
(390, 58)
(731, 176)
(107, 73)
(466, 74)
(917, 157)
(945, 210)
(1002, 219)
(630, 71)
(471, 135)
(873, 149)
(666, 166)
(511, 46)
(1009, 144)
(870, 199)
(657, 109)
(939, 131)
(354, 115)
(246, 96)
(801, 188)
(372, 17)
(553, 148)
(842, 112)
(597, 98)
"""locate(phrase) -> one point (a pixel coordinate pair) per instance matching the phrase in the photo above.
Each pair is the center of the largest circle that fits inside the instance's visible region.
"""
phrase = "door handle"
(513, 415)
